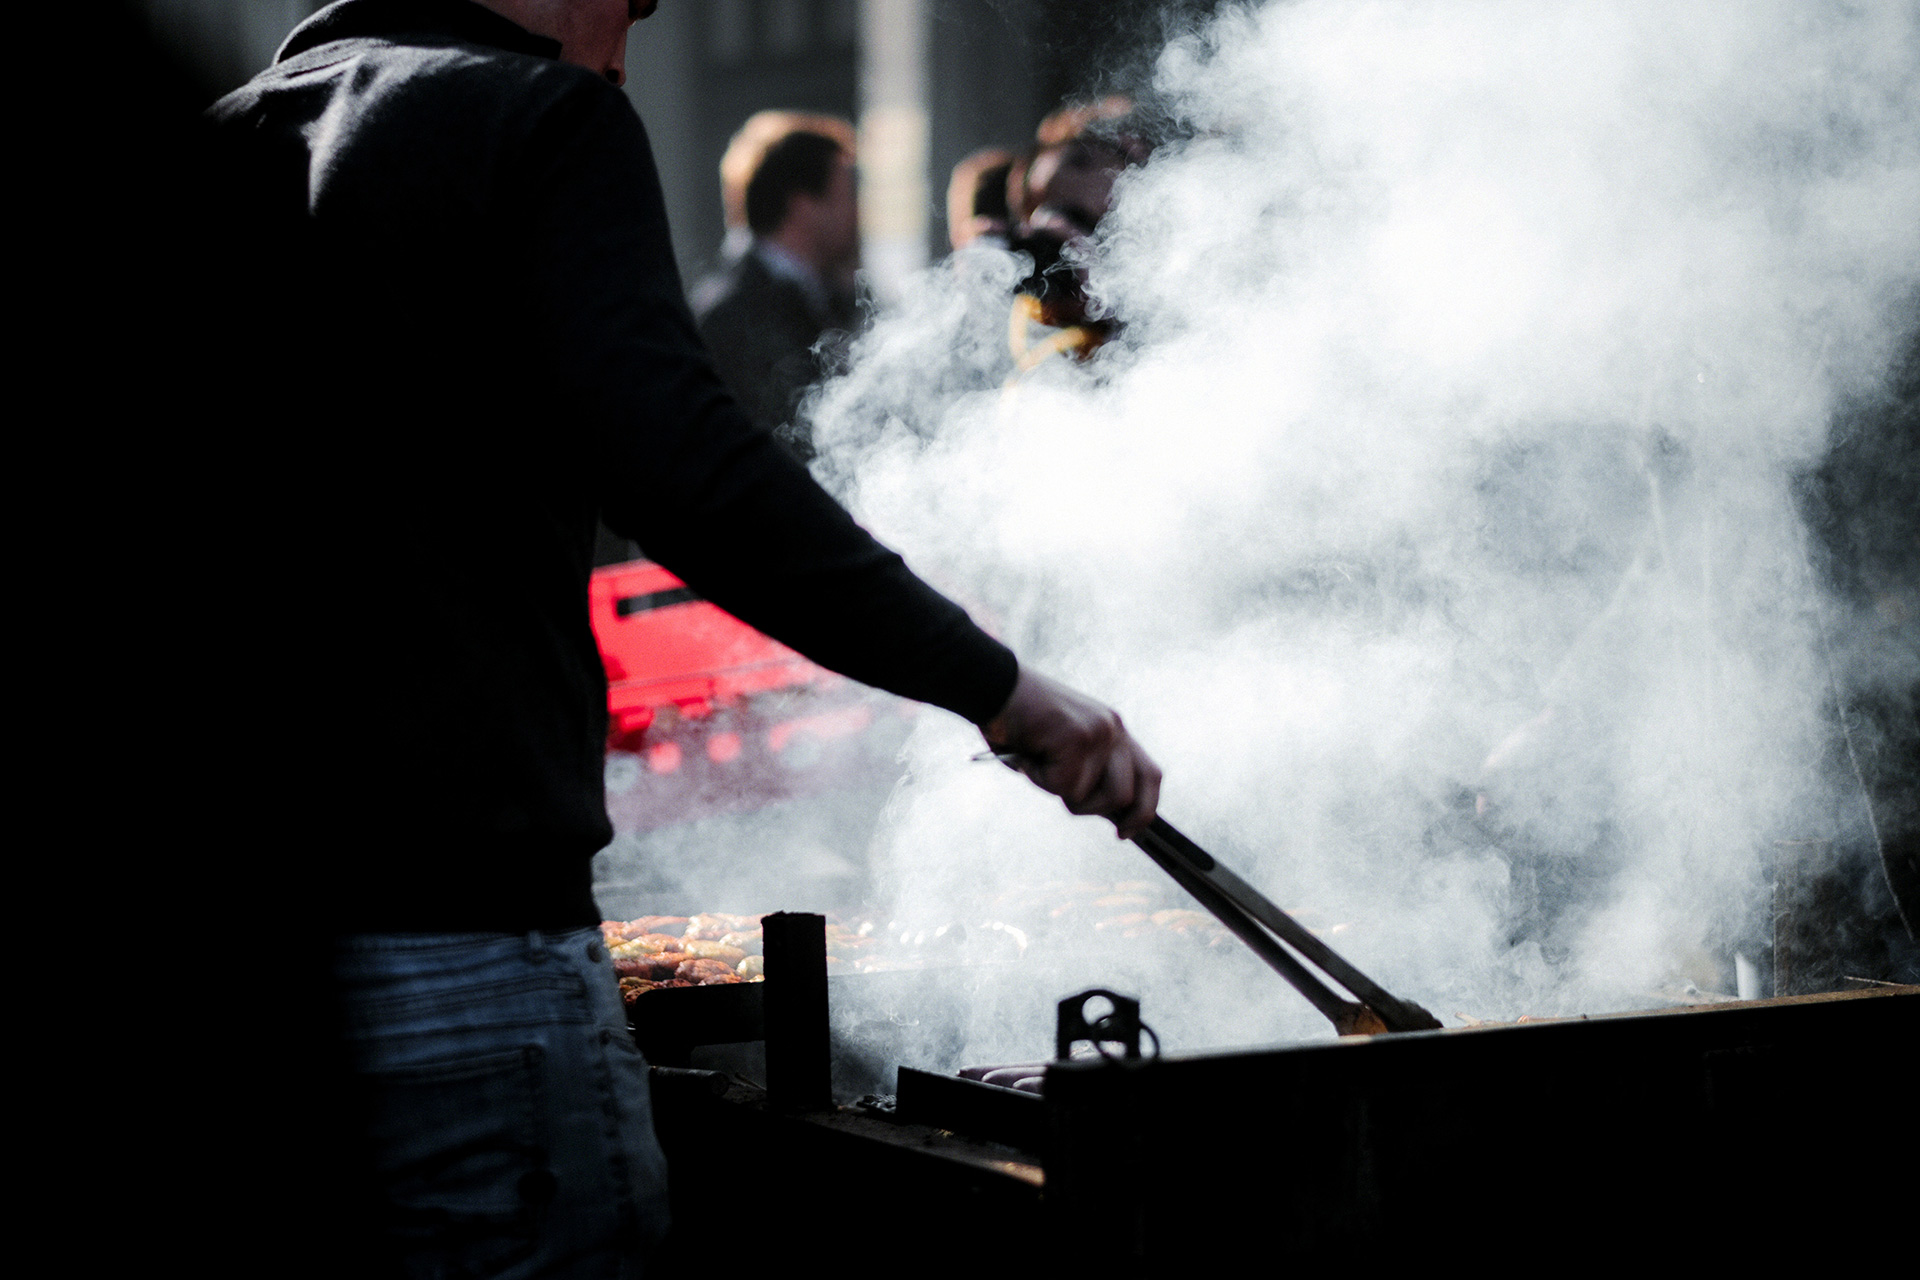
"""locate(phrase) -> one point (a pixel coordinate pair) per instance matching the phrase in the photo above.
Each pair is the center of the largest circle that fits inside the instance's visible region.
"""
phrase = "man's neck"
(538, 16)
(787, 265)
(592, 33)
(793, 242)
(458, 18)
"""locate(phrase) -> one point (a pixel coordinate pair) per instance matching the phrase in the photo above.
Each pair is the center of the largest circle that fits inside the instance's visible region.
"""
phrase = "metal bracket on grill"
(1121, 1026)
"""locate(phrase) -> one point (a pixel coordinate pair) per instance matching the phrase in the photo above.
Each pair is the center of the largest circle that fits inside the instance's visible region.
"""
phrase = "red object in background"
(665, 647)
(718, 717)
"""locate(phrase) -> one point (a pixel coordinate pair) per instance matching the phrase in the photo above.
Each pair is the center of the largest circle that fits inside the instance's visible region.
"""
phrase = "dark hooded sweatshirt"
(458, 337)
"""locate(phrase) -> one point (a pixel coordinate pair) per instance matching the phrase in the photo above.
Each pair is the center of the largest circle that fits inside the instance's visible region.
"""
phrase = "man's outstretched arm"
(718, 501)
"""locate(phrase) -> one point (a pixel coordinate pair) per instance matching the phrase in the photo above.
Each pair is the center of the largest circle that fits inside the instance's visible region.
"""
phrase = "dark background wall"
(985, 88)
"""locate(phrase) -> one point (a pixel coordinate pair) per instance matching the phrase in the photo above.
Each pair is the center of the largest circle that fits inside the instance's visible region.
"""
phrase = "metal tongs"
(1252, 918)
(1257, 922)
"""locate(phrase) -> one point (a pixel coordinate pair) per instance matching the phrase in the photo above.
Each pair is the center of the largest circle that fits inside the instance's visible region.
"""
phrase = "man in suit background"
(775, 313)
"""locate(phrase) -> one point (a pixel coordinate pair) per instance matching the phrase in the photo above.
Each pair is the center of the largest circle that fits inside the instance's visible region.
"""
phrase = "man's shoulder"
(745, 292)
(477, 82)
(720, 286)
(399, 139)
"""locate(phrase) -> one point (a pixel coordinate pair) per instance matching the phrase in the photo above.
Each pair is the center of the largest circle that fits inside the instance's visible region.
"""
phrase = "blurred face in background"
(832, 218)
(1074, 182)
(1069, 188)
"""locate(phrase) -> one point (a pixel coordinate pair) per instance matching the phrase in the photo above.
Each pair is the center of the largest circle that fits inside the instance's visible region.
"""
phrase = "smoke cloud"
(1429, 520)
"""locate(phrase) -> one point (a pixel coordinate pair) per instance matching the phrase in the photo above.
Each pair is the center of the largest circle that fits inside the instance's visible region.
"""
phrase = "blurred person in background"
(977, 200)
(438, 293)
(745, 151)
(1057, 197)
(775, 315)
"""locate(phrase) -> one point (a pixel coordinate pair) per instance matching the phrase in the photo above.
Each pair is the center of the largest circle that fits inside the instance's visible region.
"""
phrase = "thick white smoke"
(1468, 351)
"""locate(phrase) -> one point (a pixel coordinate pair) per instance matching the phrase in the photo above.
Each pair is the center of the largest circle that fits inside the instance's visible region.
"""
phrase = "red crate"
(663, 646)
(719, 718)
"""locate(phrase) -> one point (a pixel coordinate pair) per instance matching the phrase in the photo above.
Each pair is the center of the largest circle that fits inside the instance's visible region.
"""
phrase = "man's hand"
(1077, 749)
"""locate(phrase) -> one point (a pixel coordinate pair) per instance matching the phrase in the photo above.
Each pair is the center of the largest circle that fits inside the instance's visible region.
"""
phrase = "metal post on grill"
(799, 1053)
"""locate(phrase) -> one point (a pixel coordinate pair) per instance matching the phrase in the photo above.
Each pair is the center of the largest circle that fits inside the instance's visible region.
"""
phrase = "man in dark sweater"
(455, 308)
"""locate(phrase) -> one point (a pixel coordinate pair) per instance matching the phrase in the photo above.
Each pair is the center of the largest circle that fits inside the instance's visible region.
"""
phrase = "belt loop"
(536, 947)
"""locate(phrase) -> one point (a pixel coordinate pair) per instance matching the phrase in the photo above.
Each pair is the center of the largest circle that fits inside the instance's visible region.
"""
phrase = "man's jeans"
(511, 1126)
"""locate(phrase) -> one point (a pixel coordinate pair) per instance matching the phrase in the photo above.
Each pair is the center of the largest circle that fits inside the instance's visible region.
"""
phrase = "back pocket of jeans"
(461, 1156)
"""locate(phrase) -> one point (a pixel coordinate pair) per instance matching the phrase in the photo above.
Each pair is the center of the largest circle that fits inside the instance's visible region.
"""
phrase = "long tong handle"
(1346, 1016)
(1245, 910)
(1189, 864)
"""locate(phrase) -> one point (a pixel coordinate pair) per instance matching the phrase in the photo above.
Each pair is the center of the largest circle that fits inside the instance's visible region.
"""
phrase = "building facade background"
(927, 81)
